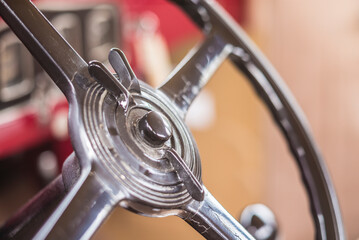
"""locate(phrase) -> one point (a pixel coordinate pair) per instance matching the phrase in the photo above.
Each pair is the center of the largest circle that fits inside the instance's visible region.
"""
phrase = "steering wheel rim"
(77, 79)
(292, 122)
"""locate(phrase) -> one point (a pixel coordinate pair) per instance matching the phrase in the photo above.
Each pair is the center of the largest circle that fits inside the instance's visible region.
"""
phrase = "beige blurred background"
(314, 46)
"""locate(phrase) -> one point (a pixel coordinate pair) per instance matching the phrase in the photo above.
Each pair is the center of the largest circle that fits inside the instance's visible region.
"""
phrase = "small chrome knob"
(259, 221)
(155, 128)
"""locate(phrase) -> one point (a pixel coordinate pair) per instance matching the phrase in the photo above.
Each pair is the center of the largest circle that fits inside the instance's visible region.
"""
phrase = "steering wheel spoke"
(82, 211)
(212, 221)
(194, 71)
(54, 54)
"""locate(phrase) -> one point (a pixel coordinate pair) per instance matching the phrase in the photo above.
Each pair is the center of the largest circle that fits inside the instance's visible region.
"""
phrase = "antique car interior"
(126, 143)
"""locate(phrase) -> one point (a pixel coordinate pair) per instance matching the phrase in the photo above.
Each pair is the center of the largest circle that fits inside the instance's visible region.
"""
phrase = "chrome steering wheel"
(131, 146)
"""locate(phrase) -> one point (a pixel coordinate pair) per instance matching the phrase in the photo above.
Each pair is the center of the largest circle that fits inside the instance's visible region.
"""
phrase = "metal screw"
(154, 128)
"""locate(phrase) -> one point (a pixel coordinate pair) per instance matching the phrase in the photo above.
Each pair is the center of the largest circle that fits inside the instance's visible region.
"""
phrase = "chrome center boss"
(139, 138)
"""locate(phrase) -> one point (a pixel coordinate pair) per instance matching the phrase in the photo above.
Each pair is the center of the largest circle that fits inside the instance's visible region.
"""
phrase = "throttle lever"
(123, 70)
(192, 184)
(104, 77)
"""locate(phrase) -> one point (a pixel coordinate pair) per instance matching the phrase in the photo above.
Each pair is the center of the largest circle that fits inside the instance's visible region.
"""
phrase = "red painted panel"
(22, 133)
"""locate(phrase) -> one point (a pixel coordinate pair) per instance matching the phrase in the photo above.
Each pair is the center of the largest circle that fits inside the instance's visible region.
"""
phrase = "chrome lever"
(123, 70)
(111, 83)
(192, 184)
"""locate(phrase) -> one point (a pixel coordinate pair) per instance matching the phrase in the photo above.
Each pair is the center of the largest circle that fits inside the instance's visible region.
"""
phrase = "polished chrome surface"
(212, 221)
(260, 221)
(154, 128)
(195, 70)
(123, 70)
(193, 185)
(131, 146)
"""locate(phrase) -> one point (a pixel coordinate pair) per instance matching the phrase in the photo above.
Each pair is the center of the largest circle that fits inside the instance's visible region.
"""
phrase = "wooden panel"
(315, 47)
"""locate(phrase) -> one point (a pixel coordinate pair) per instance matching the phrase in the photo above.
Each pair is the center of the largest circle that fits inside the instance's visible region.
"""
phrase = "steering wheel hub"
(131, 144)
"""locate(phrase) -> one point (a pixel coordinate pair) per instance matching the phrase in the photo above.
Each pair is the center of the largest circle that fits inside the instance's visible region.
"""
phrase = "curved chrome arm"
(214, 21)
(212, 221)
